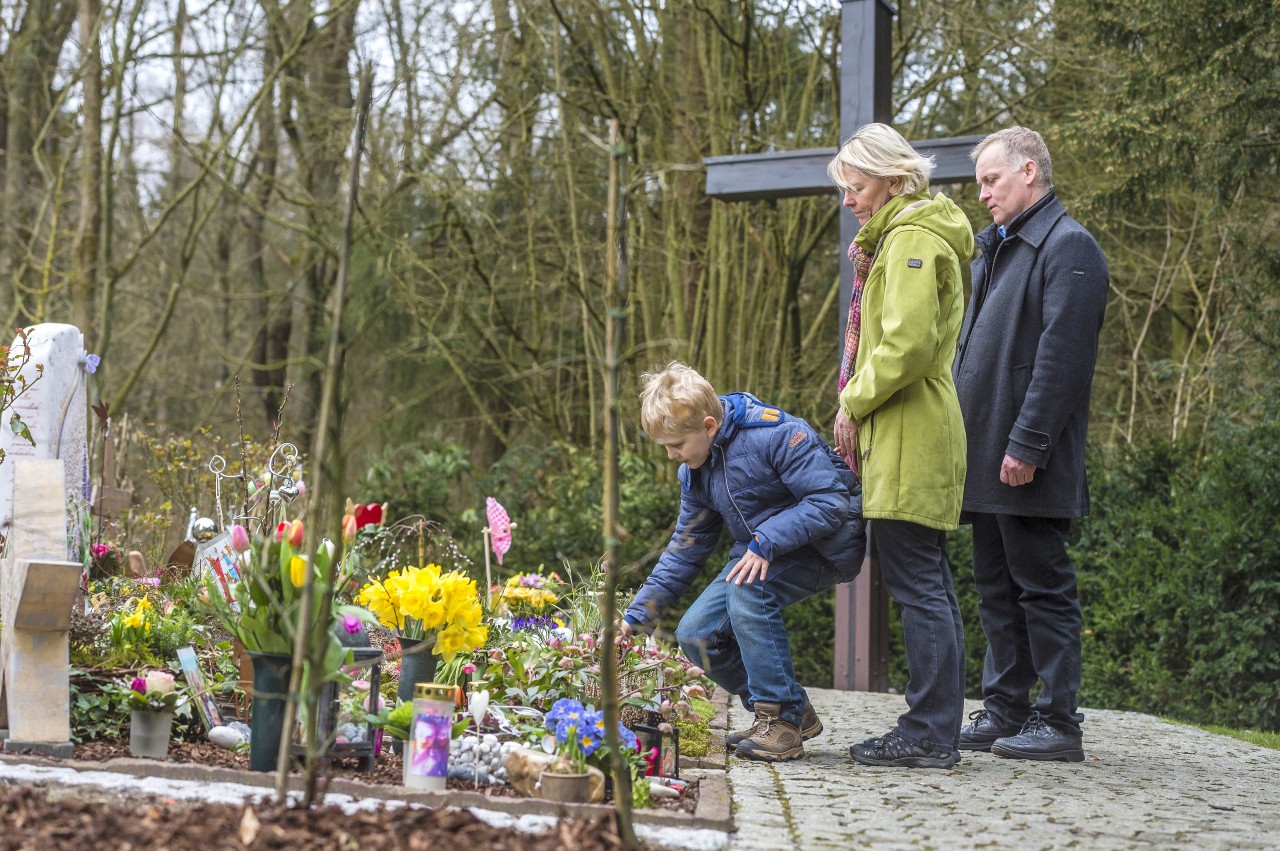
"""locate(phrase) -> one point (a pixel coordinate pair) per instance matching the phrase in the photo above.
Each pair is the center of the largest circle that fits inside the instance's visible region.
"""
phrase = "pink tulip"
(282, 530)
(349, 528)
(239, 538)
(295, 534)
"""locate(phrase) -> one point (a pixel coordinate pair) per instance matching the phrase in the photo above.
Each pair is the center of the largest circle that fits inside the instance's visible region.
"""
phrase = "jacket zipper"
(870, 436)
(724, 473)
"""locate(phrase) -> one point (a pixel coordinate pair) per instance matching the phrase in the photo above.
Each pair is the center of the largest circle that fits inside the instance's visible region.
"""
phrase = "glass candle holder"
(427, 751)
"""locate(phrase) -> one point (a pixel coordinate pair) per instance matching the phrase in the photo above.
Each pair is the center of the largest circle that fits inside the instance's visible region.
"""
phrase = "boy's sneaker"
(893, 750)
(771, 739)
(810, 726)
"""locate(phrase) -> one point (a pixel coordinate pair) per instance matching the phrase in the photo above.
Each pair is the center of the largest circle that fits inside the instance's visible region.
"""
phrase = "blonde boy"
(792, 507)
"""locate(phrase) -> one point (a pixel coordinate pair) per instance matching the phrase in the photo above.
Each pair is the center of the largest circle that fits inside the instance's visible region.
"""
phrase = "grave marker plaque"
(37, 588)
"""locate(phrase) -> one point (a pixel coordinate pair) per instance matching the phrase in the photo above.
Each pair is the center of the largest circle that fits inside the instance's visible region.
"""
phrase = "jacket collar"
(1031, 226)
(869, 235)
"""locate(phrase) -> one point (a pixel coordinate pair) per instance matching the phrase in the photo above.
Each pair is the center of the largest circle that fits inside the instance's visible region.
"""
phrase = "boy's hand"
(750, 567)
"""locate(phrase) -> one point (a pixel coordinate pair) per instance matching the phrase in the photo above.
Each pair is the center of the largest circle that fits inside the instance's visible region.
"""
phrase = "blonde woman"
(899, 425)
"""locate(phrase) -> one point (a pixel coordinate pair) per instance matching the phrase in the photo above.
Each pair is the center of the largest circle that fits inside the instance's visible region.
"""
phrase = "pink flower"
(139, 685)
(351, 624)
(295, 534)
(239, 538)
(468, 669)
(282, 530)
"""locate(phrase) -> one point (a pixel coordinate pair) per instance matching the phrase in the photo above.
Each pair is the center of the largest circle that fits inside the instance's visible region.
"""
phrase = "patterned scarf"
(861, 268)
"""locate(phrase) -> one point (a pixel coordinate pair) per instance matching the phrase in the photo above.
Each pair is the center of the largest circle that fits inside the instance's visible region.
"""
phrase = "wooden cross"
(862, 607)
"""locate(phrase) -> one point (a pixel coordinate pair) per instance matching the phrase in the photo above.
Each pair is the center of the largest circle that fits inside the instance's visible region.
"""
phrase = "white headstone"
(54, 410)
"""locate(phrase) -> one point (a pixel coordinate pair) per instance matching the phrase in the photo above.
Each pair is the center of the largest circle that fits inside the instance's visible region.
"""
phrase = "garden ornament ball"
(203, 530)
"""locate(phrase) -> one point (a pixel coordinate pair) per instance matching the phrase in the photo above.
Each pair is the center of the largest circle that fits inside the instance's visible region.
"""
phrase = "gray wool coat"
(1024, 365)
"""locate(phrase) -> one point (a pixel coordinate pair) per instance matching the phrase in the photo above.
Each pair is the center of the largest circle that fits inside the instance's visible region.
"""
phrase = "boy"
(793, 508)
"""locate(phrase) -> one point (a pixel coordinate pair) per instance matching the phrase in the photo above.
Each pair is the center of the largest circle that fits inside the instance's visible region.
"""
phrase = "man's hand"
(624, 629)
(1014, 472)
(750, 567)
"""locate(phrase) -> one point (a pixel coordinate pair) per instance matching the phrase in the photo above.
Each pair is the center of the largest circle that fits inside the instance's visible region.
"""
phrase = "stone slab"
(45, 592)
(58, 750)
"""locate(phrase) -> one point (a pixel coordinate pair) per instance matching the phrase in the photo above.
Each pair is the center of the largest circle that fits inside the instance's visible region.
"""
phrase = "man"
(1024, 372)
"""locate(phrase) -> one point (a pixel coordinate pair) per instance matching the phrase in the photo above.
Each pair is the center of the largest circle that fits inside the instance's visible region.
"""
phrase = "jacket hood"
(939, 215)
(742, 410)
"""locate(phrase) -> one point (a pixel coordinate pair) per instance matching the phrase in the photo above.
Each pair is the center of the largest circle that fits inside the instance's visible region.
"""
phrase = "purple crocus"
(351, 624)
(91, 363)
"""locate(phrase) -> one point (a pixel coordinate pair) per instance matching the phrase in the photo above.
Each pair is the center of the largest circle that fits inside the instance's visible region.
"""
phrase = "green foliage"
(554, 495)
(178, 465)
(95, 713)
(1178, 578)
(417, 479)
(1181, 94)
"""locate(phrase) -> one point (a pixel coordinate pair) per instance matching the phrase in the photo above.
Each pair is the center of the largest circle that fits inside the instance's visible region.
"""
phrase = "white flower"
(479, 705)
(159, 682)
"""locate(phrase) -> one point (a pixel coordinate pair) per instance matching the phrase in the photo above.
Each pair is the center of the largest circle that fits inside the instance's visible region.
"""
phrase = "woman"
(899, 424)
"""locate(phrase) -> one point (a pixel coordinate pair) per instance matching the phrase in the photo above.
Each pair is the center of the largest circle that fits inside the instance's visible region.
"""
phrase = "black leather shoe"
(1040, 741)
(892, 750)
(984, 730)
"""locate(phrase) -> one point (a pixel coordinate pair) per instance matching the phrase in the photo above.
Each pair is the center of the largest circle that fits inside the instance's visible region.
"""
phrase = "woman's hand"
(847, 439)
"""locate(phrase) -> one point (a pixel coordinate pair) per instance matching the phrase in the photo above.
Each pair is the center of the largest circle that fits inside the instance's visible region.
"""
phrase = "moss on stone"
(695, 733)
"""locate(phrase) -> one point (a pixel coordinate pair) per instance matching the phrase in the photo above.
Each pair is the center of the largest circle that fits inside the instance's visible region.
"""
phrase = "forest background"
(173, 182)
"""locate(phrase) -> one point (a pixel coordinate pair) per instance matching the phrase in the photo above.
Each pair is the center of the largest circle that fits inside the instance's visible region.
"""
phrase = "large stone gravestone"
(37, 587)
(54, 410)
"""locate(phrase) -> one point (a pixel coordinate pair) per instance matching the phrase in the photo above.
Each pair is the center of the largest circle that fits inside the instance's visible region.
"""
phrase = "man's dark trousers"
(1030, 610)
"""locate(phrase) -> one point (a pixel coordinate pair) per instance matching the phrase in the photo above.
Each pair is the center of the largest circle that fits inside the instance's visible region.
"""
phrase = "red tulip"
(375, 514)
(295, 534)
(282, 530)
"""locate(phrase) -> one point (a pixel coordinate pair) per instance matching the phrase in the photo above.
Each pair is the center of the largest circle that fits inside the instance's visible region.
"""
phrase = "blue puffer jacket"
(776, 485)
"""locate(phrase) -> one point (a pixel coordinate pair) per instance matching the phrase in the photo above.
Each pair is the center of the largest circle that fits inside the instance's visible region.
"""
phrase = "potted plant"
(260, 606)
(152, 699)
(437, 615)
(578, 732)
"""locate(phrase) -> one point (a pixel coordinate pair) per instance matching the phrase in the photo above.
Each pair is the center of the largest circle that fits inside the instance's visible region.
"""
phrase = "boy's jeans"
(735, 632)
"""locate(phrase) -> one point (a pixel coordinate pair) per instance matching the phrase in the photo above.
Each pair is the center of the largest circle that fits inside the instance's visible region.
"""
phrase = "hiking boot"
(1039, 741)
(771, 739)
(810, 726)
(984, 730)
(893, 750)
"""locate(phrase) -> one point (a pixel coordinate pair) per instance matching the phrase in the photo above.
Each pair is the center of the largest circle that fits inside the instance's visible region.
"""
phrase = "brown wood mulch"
(29, 820)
